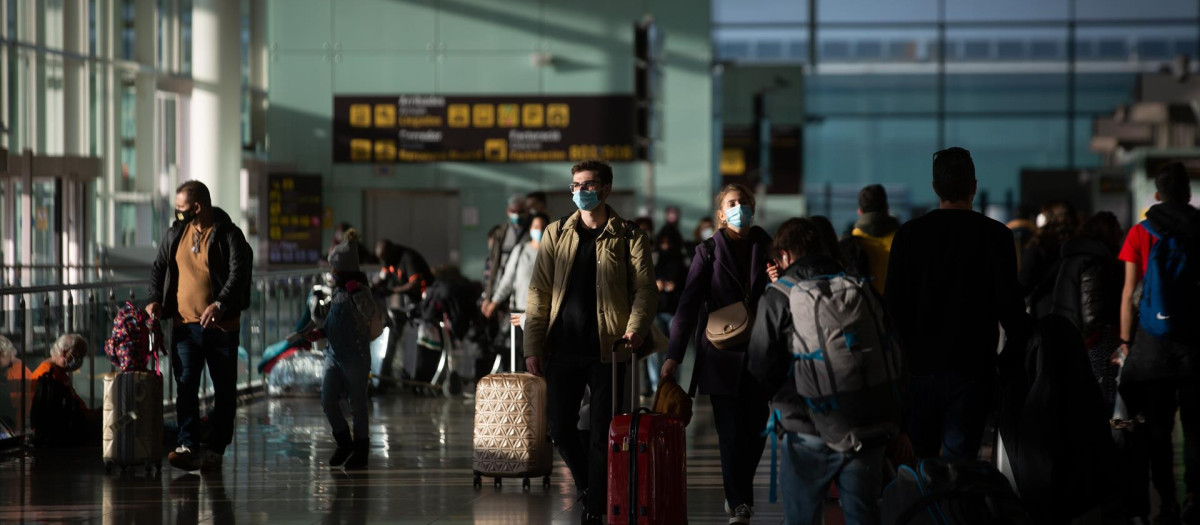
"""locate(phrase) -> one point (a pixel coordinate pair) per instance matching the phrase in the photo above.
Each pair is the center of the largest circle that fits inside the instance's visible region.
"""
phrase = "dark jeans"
(195, 347)
(566, 377)
(810, 467)
(1157, 402)
(349, 374)
(948, 414)
(740, 420)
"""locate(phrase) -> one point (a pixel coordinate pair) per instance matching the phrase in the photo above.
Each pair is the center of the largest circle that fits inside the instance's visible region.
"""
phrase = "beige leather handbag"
(729, 326)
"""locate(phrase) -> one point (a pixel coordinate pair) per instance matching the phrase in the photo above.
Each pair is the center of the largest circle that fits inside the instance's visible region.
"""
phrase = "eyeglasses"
(587, 185)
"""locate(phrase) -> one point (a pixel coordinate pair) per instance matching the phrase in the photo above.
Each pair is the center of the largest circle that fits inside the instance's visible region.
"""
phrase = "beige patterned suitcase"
(512, 437)
(511, 433)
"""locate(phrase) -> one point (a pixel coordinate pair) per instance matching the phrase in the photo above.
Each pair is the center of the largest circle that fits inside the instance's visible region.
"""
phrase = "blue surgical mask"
(586, 200)
(739, 216)
(536, 235)
(706, 233)
(514, 219)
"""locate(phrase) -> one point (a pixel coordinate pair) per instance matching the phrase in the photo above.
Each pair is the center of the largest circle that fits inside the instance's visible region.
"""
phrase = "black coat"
(230, 262)
(1054, 423)
(1088, 289)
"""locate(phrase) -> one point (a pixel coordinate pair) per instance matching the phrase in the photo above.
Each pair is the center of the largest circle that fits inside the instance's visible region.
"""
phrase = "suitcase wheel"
(478, 483)
(546, 482)
(525, 484)
(497, 483)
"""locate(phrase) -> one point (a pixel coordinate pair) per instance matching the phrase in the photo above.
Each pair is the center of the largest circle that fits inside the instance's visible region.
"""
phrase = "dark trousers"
(740, 421)
(566, 377)
(194, 348)
(948, 414)
(1157, 401)
(346, 373)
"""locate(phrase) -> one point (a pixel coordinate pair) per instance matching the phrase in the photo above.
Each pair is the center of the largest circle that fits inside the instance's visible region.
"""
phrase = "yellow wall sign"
(733, 162)
(409, 128)
(495, 150)
(558, 115)
(484, 115)
(459, 115)
(508, 115)
(532, 116)
(385, 151)
(360, 115)
(360, 150)
(385, 115)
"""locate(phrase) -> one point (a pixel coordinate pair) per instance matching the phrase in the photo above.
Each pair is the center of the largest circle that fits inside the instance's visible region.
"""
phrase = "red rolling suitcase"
(647, 465)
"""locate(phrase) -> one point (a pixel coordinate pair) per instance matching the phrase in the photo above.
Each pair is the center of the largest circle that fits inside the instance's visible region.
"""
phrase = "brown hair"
(602, 169)
(729, 188)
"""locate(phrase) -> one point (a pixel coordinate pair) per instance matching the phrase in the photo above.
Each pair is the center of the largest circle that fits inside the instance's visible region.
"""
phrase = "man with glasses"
(592, 286)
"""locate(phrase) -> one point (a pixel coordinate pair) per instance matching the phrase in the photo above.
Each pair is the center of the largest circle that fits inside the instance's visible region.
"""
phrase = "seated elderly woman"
(59, 416)
(12, 372)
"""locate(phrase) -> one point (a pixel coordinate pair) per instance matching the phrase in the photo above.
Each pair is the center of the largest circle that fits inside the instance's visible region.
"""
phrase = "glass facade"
(889, 83)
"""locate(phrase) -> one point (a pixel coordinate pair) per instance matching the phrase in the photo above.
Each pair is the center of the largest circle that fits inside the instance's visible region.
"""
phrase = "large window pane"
(1006, 93)
(857, 11)
(853, 152)
(1120, 10)
(870, 94)
(1002, 146)
(990, 10)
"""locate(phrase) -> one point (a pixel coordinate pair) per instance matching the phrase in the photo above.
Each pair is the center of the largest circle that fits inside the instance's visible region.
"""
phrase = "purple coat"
(710, 286)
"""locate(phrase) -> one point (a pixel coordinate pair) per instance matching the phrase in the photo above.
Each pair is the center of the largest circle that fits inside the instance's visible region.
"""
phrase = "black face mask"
(185, 216)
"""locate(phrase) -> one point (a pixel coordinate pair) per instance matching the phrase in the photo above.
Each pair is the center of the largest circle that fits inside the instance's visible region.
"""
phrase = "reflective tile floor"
(275, 473)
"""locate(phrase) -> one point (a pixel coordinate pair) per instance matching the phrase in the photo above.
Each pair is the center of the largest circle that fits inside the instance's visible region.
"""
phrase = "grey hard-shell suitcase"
(133, 418)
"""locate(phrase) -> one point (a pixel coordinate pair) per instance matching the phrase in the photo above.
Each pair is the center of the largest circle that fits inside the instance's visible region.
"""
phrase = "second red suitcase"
(647, 466)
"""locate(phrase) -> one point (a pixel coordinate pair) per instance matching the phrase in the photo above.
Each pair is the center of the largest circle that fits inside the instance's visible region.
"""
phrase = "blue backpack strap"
(772, 431)
(1149, 229)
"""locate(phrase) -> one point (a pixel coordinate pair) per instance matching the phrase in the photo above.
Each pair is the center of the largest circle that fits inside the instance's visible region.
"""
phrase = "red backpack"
(128, 348)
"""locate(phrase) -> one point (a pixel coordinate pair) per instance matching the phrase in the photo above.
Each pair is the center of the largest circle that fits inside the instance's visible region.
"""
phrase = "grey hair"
(66, 343)
(516, 201)
(7, 349)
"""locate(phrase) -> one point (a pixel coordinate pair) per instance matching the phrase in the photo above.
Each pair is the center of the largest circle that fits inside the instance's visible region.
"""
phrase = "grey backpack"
(846, 367)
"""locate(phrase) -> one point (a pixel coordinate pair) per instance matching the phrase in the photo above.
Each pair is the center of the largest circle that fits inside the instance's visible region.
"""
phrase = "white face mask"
(706, 233)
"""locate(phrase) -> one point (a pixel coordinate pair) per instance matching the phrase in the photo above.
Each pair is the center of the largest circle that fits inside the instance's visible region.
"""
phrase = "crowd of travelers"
(859, 355)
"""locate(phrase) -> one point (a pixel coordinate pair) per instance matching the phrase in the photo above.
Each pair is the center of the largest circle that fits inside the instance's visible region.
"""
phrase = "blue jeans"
(810, 467)
(195, 347)
(948, 414)
(346, 373)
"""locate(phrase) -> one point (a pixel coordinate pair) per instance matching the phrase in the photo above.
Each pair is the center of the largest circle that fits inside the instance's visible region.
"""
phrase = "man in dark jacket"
(1161, 375)
(952, 281)
(201, 280)
(809, 465)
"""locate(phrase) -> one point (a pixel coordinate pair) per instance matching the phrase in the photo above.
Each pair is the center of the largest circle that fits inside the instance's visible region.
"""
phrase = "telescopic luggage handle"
(632, 369)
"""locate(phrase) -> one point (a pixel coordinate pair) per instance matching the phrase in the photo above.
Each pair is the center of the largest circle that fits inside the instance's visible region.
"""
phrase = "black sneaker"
(741, 515)
(184, 458)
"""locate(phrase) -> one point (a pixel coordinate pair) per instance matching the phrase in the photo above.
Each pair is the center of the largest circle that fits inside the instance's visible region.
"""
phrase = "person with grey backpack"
(821, 346)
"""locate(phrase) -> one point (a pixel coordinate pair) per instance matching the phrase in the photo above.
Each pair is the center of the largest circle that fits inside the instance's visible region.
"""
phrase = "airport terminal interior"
(439, 135)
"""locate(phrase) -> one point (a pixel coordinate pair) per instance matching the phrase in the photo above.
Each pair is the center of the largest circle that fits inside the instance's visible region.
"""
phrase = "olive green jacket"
(627, 297)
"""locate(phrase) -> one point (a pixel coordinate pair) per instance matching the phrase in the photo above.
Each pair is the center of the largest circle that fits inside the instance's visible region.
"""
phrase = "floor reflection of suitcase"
(511, 437)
